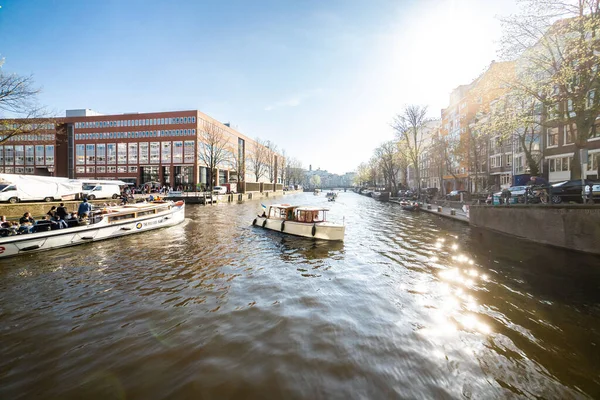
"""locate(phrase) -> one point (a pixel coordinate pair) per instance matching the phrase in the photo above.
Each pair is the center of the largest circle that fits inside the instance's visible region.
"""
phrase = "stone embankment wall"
(574, 227)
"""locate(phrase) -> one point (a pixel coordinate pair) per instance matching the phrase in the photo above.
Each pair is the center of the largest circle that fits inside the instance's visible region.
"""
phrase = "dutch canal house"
(168, 148)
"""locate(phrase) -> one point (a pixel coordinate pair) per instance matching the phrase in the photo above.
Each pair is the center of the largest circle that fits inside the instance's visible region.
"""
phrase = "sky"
(321, 79)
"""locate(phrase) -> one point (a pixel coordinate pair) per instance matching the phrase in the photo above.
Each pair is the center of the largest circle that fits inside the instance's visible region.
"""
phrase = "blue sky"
(322, 79)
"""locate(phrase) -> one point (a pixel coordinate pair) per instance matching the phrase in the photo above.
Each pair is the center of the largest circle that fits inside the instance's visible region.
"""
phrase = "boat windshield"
(310, 216)
(285, 213)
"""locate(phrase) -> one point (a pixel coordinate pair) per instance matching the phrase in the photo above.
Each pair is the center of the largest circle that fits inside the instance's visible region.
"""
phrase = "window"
(565, 163)
(19, 155)
(80, 154)
(100, 153)
(90, 153)
(166, 152)
(101, 169)
(122, 153)
(132, 169)
(80, 170)
(50, 154)
(593, 159)
(178, 152)
(509, 159)
(568, 135)
(121, 170)
(552, 137)
(505, 179)
(111, 170)
(29, 170)
(132, 152)
(552, 165)
(111, 153)
(188, 154)
(155, 152)
(143, 152)
(90, 170)
(19, 170)
(29, 154)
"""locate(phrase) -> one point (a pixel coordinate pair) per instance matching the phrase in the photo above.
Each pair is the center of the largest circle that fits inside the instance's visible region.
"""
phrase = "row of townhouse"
(163, 147)
(459, 157)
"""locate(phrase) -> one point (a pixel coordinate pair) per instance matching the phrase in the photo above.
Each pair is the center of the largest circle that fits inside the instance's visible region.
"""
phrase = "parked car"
(517, 195)
(567, 191)
(455, 195)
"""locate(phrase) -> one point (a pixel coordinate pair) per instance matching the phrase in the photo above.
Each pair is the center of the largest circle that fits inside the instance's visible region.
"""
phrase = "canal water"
(409, 306)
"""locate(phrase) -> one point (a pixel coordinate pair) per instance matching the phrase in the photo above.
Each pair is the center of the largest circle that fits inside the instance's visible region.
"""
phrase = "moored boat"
(308, 222)
(110, 222)
(409, 206)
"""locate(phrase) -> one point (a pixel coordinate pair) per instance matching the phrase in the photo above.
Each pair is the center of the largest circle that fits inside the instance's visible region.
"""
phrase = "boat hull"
(322, 230)
(34, 242)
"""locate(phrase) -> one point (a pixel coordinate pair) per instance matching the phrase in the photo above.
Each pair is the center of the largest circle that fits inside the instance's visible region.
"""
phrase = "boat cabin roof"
(299, 208)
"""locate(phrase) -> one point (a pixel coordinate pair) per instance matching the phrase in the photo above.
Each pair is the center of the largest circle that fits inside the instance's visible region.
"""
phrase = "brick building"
(163, 147)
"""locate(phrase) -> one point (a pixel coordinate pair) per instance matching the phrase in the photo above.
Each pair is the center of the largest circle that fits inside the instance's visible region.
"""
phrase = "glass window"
(90, 153)
(137, 122)
(565, 163)
(132, 151)
(122, 153)
(80, 170)
(101, 169)
(552, 137)
(50, 154)
(111, 153)
(19, 155)
(568, 135)
(193, 119)
(19, 170)
(111, 170)
(100, 153)
(29, 154)
(552, 165)
(155, 152)
(122, 170)
(143, 150)
(132, 169)
(188, 151)
(166, 152)
(178, 152)
(29, 170)
(90, 170)
(80, 154)
(9, 170)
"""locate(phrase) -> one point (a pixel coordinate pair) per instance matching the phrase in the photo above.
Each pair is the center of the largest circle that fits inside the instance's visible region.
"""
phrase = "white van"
(219, 190)
(101, 191)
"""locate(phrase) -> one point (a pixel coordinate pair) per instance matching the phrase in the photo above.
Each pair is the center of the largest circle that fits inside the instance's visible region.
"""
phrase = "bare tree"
(258, 159)
(294, 173)
(214, 148)
(409, 126)
(390, 164)
(18, 99)
(271, 159)
(558, 45)
(239, 163)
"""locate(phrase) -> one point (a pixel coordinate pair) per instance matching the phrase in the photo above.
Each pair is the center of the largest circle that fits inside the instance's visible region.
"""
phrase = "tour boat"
(107, 223)
(309, 222)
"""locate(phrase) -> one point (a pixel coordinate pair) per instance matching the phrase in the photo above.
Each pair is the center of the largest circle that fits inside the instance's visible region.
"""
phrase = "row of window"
(559, 164)
(135, 122)
(27, 154)
(17, 170)
(496, 161)
(30, 137)
(135, 135)
(134, 153)
(132, 169)
(28, 127)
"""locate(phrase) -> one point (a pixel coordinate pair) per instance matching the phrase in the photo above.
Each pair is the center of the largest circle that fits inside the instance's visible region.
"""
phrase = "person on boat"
(51, 212)
(84, 220)
(60, 222)
(150, 198)
(84, 207)
(61, 211)
(3, 222)
(26, 223)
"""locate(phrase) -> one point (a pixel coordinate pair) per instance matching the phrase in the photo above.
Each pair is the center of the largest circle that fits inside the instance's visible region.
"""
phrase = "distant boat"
(308, 222)
(381, 196)
(409, 206)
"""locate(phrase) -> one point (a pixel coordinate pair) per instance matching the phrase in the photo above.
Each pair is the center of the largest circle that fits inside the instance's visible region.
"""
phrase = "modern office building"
(163, 147)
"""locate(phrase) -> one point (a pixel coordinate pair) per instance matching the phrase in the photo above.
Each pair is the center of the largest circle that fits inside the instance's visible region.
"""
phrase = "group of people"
(55, 218)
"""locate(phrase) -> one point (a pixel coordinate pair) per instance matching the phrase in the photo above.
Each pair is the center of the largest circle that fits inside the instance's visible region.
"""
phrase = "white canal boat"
(110, 222)
(309, 222)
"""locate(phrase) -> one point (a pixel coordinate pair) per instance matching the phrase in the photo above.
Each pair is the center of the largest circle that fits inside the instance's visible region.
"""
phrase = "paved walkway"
(446, 212)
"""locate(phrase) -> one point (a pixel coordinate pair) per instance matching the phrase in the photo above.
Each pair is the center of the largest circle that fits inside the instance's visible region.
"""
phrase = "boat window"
(121, 217)
(142, 213)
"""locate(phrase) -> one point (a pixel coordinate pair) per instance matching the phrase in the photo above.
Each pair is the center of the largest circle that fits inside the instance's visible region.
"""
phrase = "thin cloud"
(295, 100)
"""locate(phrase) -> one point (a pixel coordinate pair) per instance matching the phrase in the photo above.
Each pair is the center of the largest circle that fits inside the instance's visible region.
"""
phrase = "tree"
(258, 159)
(271, 160)
(390, 164)
(18, 100)
(559, 48)
(239, 163)
(283, 166)
(214, 148)
(294, 173)
(315, 181)
(409, 126)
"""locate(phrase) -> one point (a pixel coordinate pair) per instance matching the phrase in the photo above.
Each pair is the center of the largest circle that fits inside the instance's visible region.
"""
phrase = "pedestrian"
(61, 211)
